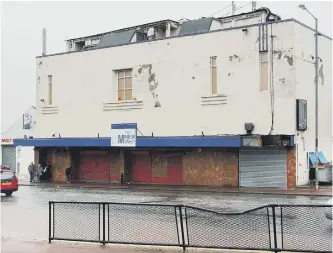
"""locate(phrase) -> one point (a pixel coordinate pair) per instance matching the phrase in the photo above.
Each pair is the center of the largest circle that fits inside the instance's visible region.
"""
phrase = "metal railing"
(293, 228)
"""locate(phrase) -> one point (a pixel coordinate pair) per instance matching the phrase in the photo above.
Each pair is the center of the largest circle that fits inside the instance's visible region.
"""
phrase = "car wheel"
(8, 193)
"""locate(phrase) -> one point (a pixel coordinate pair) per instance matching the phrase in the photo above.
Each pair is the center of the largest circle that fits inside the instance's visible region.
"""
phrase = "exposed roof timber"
(219, 30)
(242, 14)
(128, 28)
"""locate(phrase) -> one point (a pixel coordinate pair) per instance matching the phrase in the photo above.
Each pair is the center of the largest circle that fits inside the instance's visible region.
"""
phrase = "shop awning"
(321, 157)
(141, 141)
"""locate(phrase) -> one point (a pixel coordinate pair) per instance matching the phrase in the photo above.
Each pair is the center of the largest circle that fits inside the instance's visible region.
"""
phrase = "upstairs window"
(263, 71)
(124, 78)
(49, 89)
(141, 36)
(213, 73)
(301, 114)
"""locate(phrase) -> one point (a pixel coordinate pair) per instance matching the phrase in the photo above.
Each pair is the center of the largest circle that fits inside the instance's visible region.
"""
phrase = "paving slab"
(12, 246)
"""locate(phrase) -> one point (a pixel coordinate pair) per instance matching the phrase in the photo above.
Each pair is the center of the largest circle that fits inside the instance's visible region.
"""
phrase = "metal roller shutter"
(263, 167)
(141, 167)
(9, 156)
(175, 173)
(94, 166)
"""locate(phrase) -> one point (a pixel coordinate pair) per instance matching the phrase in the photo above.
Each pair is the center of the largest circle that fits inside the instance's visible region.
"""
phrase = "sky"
(22, 24)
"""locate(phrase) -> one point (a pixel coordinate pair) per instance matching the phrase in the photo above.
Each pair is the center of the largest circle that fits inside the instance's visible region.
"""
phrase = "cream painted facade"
(176, 74)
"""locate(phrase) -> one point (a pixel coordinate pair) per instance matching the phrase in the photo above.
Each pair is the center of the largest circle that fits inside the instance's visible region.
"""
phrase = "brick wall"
(36, 157)
(116, 165)
(61, 159)
(291, 167)
(214, 167)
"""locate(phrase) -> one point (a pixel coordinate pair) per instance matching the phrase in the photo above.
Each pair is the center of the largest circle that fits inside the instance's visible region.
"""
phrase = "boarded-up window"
(263, 71)
(124, 84)
(50, 89)
(213, 75)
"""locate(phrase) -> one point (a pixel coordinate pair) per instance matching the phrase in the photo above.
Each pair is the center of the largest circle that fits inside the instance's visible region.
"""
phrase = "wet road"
(25, 214)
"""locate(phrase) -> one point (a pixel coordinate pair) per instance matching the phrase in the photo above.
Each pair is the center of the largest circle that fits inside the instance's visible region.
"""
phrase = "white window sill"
(218, 99)
(49, 109)
(123, 105)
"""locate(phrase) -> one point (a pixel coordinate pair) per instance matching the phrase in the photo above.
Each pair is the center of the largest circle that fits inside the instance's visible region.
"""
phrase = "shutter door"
(175, 175)
(263, 167)
(9, 156)
(141, 167)
(94, 166)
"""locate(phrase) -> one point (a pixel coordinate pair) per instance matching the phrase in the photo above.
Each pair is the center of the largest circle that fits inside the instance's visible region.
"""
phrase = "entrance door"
(141, 167)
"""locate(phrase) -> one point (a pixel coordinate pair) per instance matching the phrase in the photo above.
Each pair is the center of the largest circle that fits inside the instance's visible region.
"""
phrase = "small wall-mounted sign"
(123, 137)
(7, 141)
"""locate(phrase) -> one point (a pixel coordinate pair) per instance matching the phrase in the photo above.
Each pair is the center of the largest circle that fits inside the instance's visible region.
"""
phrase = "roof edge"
(306, 26)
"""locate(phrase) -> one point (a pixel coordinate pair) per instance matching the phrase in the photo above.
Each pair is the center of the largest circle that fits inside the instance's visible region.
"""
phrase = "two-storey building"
(215, 101)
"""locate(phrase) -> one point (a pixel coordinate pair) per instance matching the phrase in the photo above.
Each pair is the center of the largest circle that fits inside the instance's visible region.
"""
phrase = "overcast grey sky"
(22, 23)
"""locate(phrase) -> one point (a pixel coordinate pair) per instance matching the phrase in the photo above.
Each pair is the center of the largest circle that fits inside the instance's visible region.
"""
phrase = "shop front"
(195, 160)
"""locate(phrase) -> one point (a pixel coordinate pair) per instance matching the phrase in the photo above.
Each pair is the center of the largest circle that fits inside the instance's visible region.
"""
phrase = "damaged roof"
(116, 39)
(126, 29)
(196, 26)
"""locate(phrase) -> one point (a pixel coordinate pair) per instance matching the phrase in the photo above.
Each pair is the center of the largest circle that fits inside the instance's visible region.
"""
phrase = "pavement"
(29, 205)
(10, 246)
(24, 215)
(324, 190)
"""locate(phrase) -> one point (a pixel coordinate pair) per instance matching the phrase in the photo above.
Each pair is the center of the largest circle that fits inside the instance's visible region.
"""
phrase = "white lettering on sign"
(123, 137)
(7, 141)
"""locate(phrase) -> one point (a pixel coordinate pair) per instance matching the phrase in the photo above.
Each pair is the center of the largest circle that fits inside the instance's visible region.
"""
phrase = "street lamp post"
(302, 6)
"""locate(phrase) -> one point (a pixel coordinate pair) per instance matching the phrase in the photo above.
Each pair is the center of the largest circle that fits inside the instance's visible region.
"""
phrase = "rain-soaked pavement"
(25, 214)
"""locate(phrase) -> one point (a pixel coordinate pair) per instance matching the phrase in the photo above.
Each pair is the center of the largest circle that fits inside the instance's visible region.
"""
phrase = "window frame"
(263, 57)
(122, 74)
(301, 114)
(49, 89)
(213, 81)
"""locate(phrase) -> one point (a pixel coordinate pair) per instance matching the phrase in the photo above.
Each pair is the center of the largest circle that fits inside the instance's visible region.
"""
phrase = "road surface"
(24, 215)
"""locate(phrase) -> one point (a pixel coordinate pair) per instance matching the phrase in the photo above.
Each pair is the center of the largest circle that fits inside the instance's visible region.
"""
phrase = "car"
(9, 181)
(328, 211)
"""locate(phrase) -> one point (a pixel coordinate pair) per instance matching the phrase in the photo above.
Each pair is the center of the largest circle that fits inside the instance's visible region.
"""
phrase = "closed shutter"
(94, 166)
(9, 156)
(175, 175)
(263, 167)
(142, 167)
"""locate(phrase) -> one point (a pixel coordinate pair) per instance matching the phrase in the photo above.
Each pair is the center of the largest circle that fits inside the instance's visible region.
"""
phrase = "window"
(301, 114)
(124, 84)
(213, 74)
(263, 71)
(50, 89)
(141, 36)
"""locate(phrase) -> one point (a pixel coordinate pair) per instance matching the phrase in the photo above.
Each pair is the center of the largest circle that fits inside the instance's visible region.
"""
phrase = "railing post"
(274, 229)
(50, 218)
(103, 223)
(182, 228)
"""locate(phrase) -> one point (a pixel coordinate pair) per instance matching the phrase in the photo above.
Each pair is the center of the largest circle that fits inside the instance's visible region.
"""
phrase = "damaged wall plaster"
(279, 53)
(153, 84)
(321, 73)
(234, 57)
(290, 59)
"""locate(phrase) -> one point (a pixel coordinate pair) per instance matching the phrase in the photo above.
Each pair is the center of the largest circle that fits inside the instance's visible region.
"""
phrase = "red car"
(9, 182)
